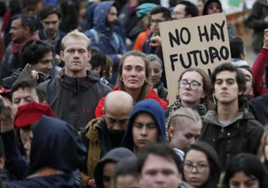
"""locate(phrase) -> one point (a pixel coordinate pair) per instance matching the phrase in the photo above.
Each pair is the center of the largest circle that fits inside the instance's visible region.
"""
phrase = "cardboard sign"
(201, 42)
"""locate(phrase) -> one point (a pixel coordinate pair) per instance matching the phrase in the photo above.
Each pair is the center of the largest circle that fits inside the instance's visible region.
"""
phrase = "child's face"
(127, 181)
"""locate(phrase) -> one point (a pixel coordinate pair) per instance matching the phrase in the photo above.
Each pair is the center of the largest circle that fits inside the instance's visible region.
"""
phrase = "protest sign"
(193, 42)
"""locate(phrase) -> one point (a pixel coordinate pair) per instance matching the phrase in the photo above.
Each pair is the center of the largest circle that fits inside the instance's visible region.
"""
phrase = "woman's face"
(196, 168)
(213, 8)
(190, 95)
(200, 6)
(133, 73)
(156, 73)
(266, 148)
(241, 180)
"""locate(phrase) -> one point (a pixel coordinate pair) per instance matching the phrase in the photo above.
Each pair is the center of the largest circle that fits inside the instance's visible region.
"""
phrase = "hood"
(239, 62)
(57, 145)
(242, 114)
(100, 17)
(115, 155)
(208, 2)
(151, 107)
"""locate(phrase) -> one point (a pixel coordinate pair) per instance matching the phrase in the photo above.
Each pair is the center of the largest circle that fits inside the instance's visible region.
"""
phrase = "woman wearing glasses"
(194, 92)
(201, 166)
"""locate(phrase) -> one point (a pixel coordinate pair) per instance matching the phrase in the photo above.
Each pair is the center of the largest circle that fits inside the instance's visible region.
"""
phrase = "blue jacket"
(151, 107)
(106, 40)
(55, 145)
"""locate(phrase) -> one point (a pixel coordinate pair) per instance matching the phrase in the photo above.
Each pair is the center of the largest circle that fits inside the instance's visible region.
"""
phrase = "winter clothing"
(30, 113)
(161, 91)
(256, 22)
(75, 99)
(230, 27)
(104, 38)
(153, 108)
(243, 134)
(114, 155)
(257, 72)
(201, 108)
(239, 62)
(54, 155)
(55, 42)
(259, 108)
(141, 38)
(11, 60)
(151, 95)
(16, 76)
(99, 142)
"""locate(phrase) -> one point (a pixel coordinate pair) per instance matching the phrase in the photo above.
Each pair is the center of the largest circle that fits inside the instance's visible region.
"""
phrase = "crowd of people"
(84, 100)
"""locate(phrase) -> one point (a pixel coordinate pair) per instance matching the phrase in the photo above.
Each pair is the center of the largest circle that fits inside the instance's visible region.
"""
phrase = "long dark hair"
(250, 165)
(213, 161)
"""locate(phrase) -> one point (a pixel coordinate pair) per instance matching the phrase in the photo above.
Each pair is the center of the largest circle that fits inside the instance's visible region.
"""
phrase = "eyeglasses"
(193, 85)
(188, 167)
(157, 21)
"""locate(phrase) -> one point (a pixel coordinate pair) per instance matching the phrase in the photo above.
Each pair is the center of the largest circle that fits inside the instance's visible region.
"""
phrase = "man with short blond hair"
(74, 95)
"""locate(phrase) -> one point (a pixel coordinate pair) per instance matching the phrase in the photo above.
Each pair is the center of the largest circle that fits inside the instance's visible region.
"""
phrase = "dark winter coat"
(74, 99)
(243, 134)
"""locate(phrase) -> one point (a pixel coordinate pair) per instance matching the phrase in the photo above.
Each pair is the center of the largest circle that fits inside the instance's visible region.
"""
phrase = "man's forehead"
(24, 92)
(226, 75)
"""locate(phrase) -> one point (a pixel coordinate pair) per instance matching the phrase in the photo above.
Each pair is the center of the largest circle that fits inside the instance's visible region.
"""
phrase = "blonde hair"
(181, 116)
(77, 34)
(262, 148)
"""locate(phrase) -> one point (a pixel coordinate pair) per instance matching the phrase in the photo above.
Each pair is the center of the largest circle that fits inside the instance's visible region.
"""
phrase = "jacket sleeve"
(5, 69)
(99, 112)
(15, 162)
(255, 134)
(255, 21)
(257, 71)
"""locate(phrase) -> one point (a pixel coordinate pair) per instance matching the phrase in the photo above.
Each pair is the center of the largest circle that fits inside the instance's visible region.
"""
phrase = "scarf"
(200, 108)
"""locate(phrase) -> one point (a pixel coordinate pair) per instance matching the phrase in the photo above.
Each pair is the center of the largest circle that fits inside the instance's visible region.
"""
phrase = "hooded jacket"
(151, 107)
(243, 134)
(57, 146)
(230, 26)
(74, 99)
(256, 22)
(106, 40)
(114, 155)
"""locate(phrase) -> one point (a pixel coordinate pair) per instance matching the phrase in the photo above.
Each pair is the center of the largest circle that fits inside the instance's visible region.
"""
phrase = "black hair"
(125, 167)
(213, 161)
(15, 7)
(3, 8)
(26, 21)
(159, 9)
(208, 2)
(250, 165)
(98, 59)
(236, 47)
(2, 149)
(48, 10)
(160, 149)
(240, 78)
(28, 2)
(33, 51)
(70, 12)
(27, 83)
(190, 8)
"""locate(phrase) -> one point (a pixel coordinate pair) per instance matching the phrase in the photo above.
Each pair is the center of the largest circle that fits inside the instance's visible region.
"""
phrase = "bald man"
(105, 133)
